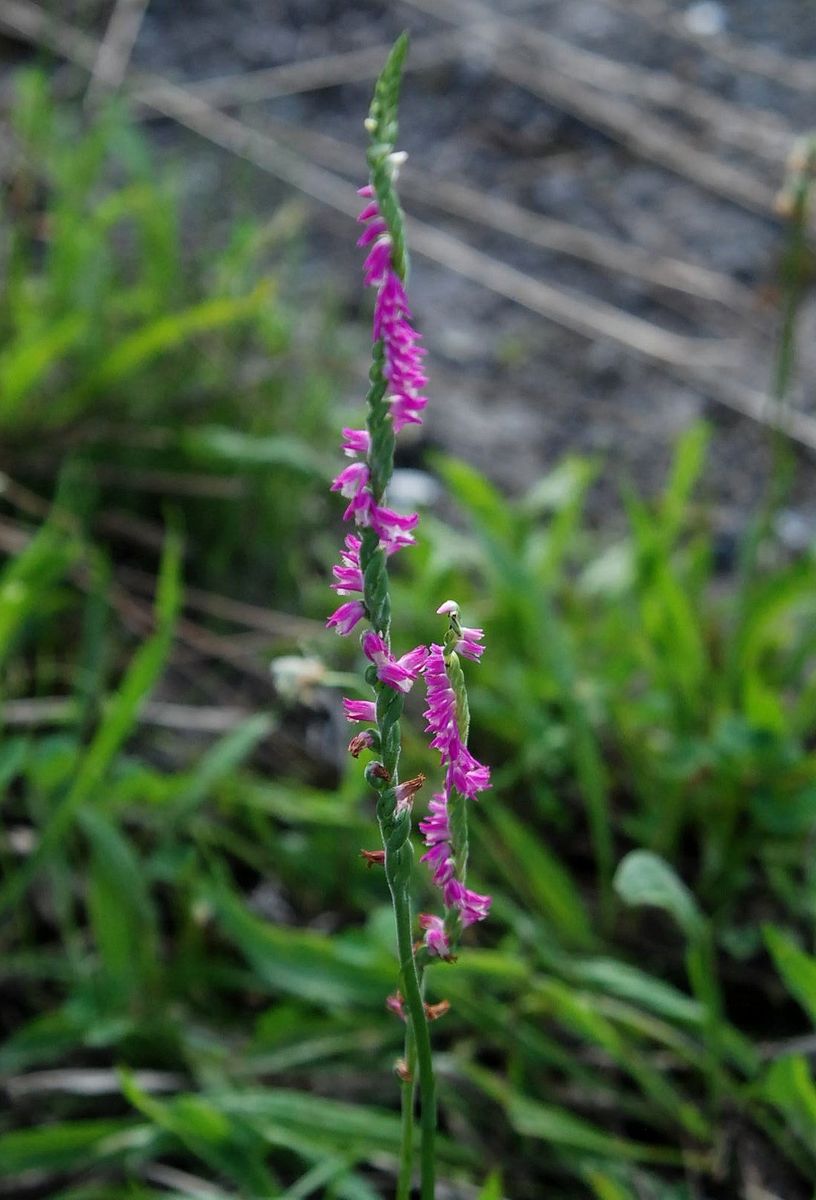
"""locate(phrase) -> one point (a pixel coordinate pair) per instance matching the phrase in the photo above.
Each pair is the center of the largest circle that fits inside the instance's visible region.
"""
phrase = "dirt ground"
(639, 145)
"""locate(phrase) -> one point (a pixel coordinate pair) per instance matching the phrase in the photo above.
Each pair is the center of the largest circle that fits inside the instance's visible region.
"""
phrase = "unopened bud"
(401, 1070)
(449, 609)
(369, 124)
(376, 775)
(374, 858)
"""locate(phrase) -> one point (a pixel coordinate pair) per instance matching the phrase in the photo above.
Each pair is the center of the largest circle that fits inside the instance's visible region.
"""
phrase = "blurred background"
(612, 266)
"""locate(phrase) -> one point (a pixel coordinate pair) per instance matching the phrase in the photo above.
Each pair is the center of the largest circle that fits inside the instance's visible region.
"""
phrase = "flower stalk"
(395, 399)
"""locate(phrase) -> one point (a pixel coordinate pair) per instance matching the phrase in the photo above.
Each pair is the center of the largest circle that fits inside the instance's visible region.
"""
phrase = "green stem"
(408, 1101)
(419, 1024)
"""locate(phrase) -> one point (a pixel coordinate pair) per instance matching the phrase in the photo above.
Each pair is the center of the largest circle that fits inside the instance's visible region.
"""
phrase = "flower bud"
(376, 776)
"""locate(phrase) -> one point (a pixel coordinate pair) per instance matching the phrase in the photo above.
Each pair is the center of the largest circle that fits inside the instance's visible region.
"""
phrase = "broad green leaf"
(643, 878)
(688, 463)
(619, 978)
(25, 364)
(121, 912)
(561, 1128)
(220, 761)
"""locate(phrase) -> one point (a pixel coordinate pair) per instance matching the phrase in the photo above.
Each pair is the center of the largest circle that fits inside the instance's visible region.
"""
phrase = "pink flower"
(436, 827)
(344, 618)
(468, 643)
(359, 710)
(398, 673)
(441, 711)
(392, 526)
(355, 441)
(392, 322)
(435, 937)
(472, 906)
(377, 263)
(467, 774)
(348, 576)
(440, 863)
(351, 480)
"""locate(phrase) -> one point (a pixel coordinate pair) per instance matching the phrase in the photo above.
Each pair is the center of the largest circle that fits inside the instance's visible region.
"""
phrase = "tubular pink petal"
(360, 710)
(344, 618)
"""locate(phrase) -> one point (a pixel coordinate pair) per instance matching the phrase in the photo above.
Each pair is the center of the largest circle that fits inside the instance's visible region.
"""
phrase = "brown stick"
(116, 48)
(506, 217)
(351, 67)
(755, 130)
(641, 132)
(784, 69)
(188, 718)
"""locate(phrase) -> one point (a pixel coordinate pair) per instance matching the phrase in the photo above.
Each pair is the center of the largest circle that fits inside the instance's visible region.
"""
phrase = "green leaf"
(476, 495)
(789, 1086)
(116, 725)
(121, 911)
(326, 971)
(618, 978)
(220, 762)
(227, 1146)
(170, 331)
(689, 459)
(559, 1127)
(643, 878)
(26, 363)
(492, 1189)
(222, 445)
(797, 968)
(538, 877)
(67, 1146)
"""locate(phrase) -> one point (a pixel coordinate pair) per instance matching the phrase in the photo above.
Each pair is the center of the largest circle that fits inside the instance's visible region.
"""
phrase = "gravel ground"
(514, 390)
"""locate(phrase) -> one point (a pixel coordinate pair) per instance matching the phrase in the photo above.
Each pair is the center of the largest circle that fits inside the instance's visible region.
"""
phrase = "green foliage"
(158, 373)
(196, 960)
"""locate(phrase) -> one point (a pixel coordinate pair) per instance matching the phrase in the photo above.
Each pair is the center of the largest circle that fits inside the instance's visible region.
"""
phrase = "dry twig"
(643, 133)
(351, 67)
(546, 232)
(116, 47)
(784, 69)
